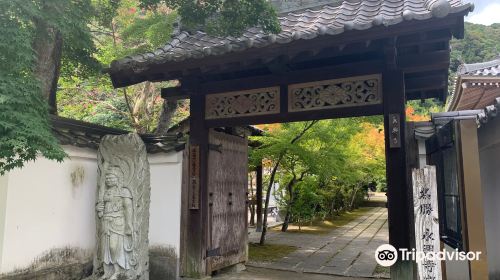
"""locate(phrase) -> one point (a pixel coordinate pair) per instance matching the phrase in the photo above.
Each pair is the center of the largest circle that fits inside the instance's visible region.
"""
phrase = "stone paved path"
(346, 251)
(257, 273)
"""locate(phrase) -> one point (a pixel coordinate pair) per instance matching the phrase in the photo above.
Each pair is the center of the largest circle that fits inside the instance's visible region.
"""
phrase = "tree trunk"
(266, 204)
(258, 198)
(273, 174)
(47, 45)
(286, 222)
(351, 207)
(251, 206)
(167, 112)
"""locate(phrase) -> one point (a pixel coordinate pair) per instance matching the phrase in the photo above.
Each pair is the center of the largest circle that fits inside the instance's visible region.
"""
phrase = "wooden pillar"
(259, 198)
(473, 227)
(194, 240)
(397, 189)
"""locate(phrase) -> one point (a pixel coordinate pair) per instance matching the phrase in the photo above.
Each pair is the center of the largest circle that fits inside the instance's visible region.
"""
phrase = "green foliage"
(307, 200)
(481, 43)
(149, 32)
(24, 126)
(92, 98)
(426, 107)
(328, 168)
(223, 17)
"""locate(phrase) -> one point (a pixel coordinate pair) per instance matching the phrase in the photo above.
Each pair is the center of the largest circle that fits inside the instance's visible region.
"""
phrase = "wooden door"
(227, 198)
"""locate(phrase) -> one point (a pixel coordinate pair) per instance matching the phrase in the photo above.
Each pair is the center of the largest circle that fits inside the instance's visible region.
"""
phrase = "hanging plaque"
(194, 177)
(394, 131)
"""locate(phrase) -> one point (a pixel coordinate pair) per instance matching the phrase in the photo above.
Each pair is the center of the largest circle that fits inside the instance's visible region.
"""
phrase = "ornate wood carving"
(356, 91)
(253, 102)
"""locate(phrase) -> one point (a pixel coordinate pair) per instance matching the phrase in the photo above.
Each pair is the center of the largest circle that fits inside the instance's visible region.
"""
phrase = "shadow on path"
(255, 273)
(345, 251)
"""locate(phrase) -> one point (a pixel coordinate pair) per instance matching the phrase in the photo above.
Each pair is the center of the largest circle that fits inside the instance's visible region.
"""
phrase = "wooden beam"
(323, 73)
(195, 237)
(344, 112)
(425, 83)
(174, 93)
(397, 195)
(425, 94)
(424, 62)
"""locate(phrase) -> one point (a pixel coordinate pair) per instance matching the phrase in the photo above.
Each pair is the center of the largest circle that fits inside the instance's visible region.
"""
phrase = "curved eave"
(168, 65)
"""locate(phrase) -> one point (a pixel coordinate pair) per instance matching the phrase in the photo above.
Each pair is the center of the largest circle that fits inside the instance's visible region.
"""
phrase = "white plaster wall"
(489, 156)
(165, 208)
(3, 203)
(43, 209)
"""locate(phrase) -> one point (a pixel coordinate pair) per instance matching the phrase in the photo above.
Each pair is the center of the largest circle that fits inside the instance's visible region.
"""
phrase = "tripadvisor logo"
(386, 255)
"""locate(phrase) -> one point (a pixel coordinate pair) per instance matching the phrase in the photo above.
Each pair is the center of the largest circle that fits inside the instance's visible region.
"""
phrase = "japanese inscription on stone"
(426, 221)
(194, 177)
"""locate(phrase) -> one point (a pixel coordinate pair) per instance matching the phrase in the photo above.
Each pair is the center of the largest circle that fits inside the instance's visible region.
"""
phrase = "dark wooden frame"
(445, 139)
(412, 58)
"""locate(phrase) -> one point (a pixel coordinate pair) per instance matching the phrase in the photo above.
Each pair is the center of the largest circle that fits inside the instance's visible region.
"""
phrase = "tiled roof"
(307, 24)
(87, 135)
(483, 74)
(489, 112)
(489, 68)
(482, 116)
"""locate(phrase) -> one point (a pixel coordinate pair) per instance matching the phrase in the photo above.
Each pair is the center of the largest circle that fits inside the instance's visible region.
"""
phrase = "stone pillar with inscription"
(122, 209)
(426, 221)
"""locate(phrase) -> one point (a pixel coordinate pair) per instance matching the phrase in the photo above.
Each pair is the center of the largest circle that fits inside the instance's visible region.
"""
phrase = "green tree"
(31, 52)
(45, 39)
(230, 17)
(329, 155)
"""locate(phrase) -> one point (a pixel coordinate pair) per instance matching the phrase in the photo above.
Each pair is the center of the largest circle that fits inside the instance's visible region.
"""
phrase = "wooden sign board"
(425, 209)
(194, 177)
(394, 131)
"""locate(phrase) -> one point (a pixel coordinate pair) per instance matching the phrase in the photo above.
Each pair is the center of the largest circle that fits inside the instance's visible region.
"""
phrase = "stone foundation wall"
(75, 264)
(56, 264)
(163, 263)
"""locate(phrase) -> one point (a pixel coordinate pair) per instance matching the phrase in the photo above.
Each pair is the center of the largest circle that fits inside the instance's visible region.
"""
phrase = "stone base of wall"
(63, 272)
(162, 264)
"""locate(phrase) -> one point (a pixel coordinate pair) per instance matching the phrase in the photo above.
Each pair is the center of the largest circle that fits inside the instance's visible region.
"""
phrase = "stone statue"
(122, 208)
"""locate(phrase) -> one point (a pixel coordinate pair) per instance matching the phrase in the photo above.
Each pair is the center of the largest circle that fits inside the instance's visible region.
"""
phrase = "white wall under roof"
(43, 208)
(489, 155)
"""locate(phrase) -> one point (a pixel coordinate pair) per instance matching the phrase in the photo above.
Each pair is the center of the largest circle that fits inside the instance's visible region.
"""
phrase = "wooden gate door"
(227, 198)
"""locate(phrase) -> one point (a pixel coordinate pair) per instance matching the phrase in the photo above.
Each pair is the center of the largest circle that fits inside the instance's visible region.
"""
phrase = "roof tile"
(299, 25)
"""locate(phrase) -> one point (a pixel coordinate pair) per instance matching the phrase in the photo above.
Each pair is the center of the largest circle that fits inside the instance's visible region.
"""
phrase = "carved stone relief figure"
(122, 209)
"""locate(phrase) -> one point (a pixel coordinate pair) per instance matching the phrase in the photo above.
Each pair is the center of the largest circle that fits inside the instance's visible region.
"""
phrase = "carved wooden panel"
(355, 91)
(253, 102)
